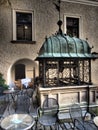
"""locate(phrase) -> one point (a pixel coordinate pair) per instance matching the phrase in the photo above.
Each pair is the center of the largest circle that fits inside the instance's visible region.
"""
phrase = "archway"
(30, 70)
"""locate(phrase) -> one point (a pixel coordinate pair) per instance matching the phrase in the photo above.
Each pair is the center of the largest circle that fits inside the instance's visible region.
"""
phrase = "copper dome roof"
(64, 46)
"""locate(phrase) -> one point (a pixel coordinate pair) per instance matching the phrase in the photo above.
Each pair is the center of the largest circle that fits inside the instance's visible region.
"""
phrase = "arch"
(31, 69)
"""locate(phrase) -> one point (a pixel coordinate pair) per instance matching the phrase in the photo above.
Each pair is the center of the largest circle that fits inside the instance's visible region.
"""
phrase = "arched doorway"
(23, 68)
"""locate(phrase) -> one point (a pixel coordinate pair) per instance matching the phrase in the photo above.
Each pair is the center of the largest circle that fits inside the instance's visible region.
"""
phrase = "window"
(72, 26)
(23, 26)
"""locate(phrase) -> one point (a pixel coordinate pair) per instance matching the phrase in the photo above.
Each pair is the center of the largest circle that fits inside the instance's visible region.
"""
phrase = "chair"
(22, 104)
(28, 92)
(1, 90)
(49, 111)
(3, 105)
(78, 119)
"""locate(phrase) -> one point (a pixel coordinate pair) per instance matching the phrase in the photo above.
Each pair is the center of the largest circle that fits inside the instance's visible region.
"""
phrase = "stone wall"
(66, 96)
(45, 18)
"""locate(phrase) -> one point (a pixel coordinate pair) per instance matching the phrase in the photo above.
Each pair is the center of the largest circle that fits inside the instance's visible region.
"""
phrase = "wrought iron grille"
(65, 72)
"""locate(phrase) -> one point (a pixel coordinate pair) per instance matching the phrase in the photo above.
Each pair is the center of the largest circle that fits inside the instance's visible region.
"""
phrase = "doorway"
(20, 71)
(23, 68)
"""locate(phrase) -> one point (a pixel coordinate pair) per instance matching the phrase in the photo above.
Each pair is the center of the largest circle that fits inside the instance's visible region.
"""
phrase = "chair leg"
(31, 128)
(57, 126)
(63, 126)
(50, 128)
(36, 123)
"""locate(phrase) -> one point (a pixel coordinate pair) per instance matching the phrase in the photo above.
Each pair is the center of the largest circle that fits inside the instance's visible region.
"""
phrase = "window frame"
(80, 23)
(15, 27)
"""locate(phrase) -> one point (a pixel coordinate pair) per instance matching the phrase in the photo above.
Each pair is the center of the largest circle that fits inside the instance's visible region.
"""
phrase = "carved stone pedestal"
(85, 95)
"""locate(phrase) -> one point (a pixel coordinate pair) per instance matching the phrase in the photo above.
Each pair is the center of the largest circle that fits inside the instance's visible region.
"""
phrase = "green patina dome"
(63, 46)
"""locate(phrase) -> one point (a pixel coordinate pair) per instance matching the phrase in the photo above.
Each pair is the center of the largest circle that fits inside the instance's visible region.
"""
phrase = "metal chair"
(78, 119)
(3, 105)
(48, 115)
(29, 92)
(22, 104)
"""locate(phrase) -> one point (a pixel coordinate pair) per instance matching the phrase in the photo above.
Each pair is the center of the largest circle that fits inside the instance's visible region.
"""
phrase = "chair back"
(30, 92)
(50, 107)
(76, 112)
(3, 105)
(22, 104)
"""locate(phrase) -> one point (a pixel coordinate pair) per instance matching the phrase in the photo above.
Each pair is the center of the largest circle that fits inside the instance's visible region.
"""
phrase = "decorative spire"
(59, 22)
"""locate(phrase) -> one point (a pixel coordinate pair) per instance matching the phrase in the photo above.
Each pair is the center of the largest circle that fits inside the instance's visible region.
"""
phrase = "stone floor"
(33, 112)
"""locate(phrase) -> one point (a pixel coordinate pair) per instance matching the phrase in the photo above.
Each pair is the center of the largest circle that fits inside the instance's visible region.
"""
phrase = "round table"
(96, 120)
(17, 122)
(11, 92)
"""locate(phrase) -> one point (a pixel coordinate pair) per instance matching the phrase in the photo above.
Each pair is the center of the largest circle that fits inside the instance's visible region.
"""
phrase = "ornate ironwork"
(65, 72)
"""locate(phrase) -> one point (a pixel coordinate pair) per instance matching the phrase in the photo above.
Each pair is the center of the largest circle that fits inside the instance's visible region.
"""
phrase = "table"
(17, 122)
(11, 92)
(96, 120)
(11, 95)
